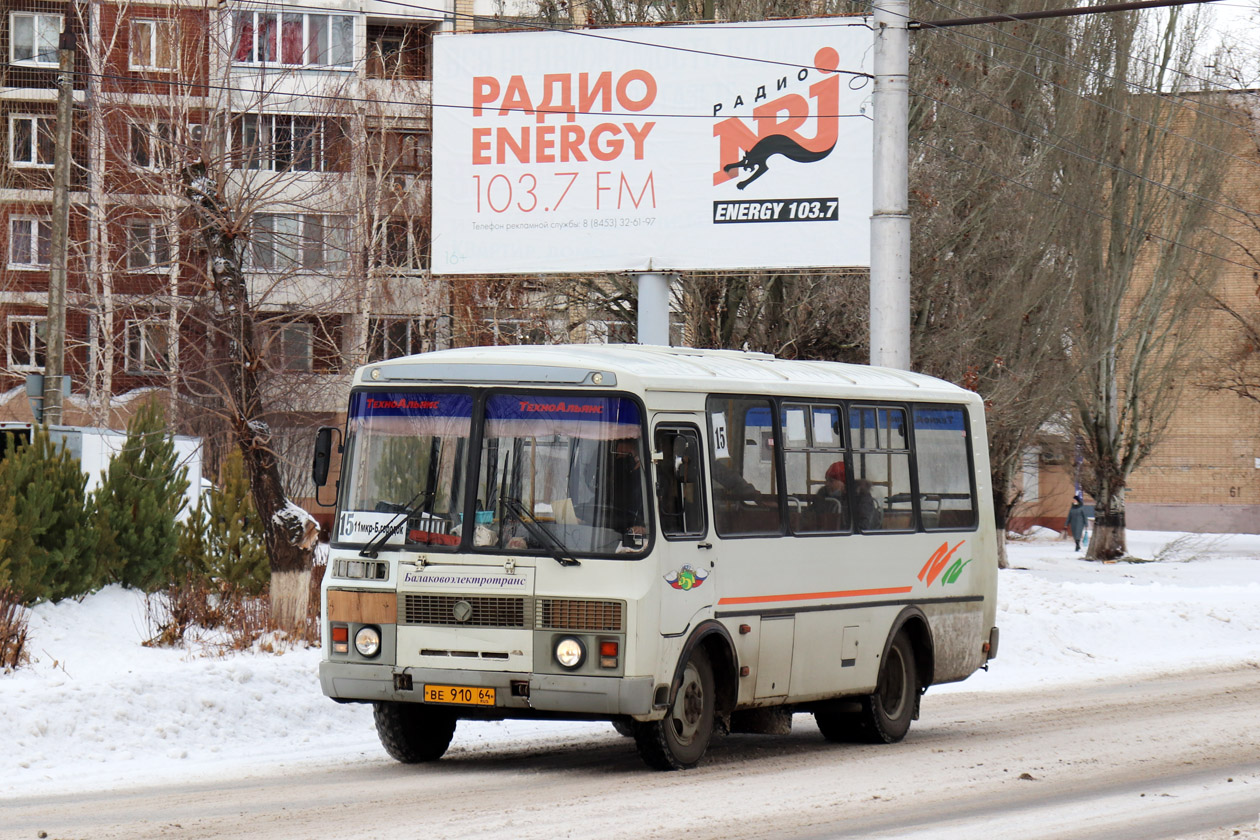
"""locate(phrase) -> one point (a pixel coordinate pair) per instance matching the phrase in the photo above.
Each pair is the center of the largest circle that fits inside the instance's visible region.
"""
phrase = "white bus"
(679, 541)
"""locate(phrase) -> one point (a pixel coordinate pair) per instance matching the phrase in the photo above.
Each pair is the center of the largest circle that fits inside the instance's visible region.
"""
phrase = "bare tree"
(1142, 272)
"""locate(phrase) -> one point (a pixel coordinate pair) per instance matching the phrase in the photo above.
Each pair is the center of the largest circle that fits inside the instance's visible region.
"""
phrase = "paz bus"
(681, 542)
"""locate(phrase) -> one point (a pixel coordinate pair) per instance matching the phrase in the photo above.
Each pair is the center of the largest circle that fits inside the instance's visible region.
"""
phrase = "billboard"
(722, 146)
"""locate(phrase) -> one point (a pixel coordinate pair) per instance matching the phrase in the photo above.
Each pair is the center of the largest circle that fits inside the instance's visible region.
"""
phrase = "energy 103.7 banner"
(653, 149)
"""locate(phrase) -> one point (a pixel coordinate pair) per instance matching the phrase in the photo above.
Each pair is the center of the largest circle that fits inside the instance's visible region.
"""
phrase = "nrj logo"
(776, 124)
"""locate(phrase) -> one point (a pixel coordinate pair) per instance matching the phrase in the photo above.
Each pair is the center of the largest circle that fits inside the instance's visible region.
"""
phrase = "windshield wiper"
(559, 551)
(404, 513)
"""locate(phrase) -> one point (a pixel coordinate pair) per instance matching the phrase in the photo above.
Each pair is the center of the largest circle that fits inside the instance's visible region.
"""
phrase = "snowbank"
(99, 710)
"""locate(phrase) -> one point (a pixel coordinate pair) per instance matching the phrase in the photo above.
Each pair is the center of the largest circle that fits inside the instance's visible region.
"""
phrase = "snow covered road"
(1170, 755)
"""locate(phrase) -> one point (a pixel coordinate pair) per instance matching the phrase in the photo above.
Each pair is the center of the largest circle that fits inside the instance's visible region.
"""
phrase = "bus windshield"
(572, 466)
(405, 458)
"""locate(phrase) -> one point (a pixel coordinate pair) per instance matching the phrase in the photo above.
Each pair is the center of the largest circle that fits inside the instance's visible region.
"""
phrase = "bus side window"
(745, 487)
(941, 446)
(680, 483)
(882, 499)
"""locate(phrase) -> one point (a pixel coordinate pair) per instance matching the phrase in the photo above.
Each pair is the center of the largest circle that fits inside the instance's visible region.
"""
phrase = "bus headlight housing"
(570, 652)
(367, 641)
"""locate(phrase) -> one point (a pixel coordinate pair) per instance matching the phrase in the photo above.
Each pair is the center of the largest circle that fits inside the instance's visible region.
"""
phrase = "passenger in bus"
(627, 488)
(831, 503)
(729, 485)
(867, 511)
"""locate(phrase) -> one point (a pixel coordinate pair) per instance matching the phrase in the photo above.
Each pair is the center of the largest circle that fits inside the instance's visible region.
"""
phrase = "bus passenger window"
(882, 497)
(745, 489)
(944, 468)
(679, 489)
(815, 470)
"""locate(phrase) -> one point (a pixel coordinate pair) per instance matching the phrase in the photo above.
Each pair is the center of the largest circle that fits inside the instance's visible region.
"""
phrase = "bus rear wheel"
(679, 740)
(412, 732)
(884, 716)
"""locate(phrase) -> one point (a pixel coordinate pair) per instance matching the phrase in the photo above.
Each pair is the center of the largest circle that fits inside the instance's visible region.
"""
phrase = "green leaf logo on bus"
(686, 578)
(937, 562)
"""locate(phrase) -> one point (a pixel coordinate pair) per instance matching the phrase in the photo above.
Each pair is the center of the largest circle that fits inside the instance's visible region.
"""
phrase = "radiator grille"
(440, 610)
(568, 614)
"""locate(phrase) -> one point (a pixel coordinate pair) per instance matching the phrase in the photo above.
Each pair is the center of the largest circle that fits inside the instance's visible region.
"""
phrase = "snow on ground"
(98, 710)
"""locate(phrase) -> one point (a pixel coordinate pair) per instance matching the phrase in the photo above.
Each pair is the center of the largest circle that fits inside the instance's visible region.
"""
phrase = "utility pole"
(890, 218)
(55, 369)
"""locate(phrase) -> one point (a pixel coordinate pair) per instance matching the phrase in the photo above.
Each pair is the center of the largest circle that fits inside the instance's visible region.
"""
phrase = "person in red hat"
(831, 502)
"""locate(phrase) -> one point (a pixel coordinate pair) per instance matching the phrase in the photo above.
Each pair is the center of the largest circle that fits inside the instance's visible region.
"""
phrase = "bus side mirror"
(323, 456)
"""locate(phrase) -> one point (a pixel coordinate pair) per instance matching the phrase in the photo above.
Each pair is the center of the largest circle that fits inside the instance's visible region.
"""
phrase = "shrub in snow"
(235, 554)
(12, 631)
(47, 540)
(136, 505)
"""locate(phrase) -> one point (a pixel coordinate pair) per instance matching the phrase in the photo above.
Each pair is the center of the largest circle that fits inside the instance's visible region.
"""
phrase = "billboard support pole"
(890, 217)
(653, 307)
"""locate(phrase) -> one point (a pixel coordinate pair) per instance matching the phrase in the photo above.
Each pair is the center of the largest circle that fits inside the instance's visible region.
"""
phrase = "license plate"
(459, 694)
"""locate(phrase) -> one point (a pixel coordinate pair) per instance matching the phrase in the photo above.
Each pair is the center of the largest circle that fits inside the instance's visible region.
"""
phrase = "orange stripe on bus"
(807, 596)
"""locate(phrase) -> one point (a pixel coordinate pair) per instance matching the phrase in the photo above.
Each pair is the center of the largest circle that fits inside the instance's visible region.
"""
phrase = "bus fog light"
(367, 641)
(570, 652)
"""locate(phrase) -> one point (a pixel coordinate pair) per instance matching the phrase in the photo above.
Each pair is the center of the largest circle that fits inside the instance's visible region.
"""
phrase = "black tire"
(413, 732)
(624, 726)
(883, 717)
(679, 740)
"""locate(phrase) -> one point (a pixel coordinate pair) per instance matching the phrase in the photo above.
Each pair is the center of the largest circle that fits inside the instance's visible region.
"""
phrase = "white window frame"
(33, 322)
(282, 337)
(256, 18)
(33, 263)
(156, 147)
(417, 259)
(151, 246)
(154, 26)
(33, 151)
(149, 337)
(418, 336)
(306, 251)
(39, 58)
(264, 146)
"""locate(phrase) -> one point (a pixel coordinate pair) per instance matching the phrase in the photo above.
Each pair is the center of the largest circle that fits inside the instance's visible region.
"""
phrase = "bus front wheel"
(679, 740)
(413, 732)
(884, 716)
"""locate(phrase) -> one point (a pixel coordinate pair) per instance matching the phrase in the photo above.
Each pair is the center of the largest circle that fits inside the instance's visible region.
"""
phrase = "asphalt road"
(1174, 756)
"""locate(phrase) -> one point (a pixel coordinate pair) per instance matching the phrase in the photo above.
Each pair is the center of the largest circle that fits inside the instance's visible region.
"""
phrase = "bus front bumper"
(559, 693)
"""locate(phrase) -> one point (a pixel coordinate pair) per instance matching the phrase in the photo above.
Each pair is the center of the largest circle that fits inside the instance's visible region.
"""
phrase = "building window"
(402, 245)
(288, 143)
(292, 38)
(399, 152)
(389, 338)
(300, 242)
(291, 346)
(34, 38)
(30, 242)
(397, 52)
(153, 45)
(151, 145)
(147, 349)
(31, 141)
(28, 342)
(148, 246)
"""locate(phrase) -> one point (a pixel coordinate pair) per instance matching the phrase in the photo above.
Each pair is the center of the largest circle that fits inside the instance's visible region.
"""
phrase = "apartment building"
(310, 121)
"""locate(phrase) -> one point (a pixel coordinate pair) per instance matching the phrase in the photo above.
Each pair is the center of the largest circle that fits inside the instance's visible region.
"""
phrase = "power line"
(1177, 101)
(341, 98)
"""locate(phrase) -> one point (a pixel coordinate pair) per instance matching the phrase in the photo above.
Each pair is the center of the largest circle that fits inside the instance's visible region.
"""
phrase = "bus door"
(684, 554)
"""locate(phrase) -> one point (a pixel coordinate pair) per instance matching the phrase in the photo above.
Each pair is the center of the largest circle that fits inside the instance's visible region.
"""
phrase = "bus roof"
(653, 368)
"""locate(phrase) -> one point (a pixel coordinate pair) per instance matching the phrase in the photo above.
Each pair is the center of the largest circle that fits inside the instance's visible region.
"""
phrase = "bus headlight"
(367, 641)
(570, 652)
